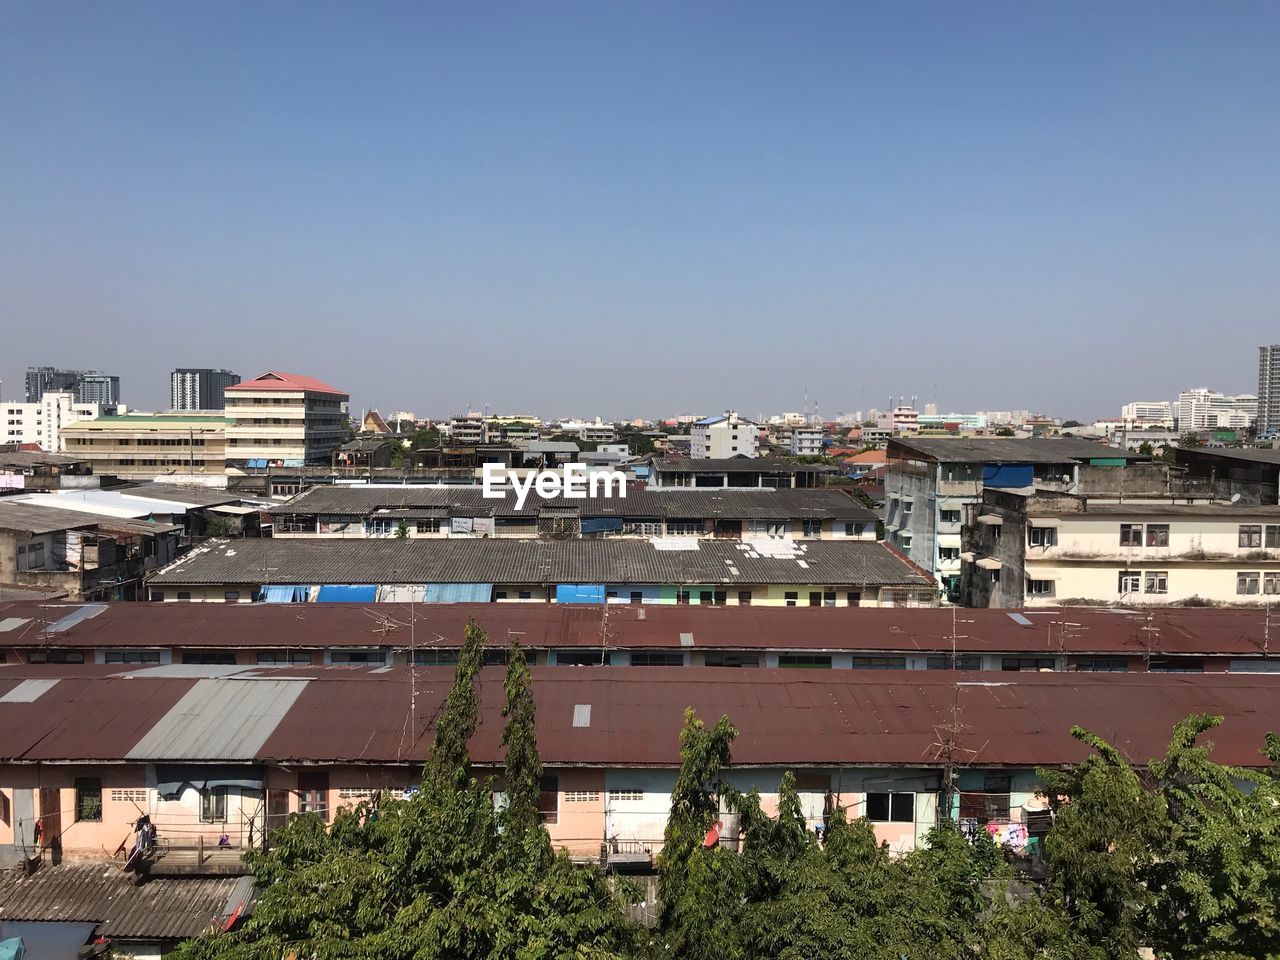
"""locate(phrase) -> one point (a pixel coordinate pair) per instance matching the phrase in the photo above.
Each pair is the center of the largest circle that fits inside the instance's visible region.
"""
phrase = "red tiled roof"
(276, 380)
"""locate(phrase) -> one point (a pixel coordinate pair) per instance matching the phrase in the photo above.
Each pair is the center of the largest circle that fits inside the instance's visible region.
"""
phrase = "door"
(24, 822)
(51, 821)
(277, 809)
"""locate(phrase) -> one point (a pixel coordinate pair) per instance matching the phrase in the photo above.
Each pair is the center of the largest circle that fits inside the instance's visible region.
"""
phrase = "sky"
(645, 209)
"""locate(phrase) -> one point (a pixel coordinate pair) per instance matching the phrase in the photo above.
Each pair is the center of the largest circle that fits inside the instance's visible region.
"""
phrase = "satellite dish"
(1235, 498)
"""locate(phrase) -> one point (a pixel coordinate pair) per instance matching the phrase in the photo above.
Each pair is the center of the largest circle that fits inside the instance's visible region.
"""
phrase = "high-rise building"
(1269, 390)
(89, 386)
(42, 422)
(1148, 412)
(1204, 409)
(199, 388)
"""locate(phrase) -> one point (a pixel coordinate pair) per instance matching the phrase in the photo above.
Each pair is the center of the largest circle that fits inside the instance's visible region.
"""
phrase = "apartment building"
(1044, 549)
(929, 481)
(145, 446)
(283, 419)
(1204, 409)
(1148, 413)
(723, 437)
(806, 441)
(42, 422)
(88, 386)
(199, 388)
(1269, 390)
(468, 431)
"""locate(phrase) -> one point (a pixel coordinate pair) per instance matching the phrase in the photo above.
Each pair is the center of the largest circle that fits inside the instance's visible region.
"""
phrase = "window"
(499, 595)
(351, 657)
(815, 598)
(129, 795)
(1254, 665)
(637, 597)
(549, 800)
(948, 516)
(582, 658)
(854, 598)
(213, 805)
(1014, 664)
(380, 527)
(791, 598)
(208, 656)
(1102, 664)
(184, 594)
(313, 794)
(744, 598)
(948, 553)
(1176, 665)
(435, 658)
(88, 799)
(1155, 581)
(682, 596)
(891, 807)
(56, 656)
(1130, 534)
(813, 528)
(231, 596)
(157, 596)
(581, 796)
(731, 659)
(1040, 588)
(1273, 536)
(626, 794)
(131, 656)
(879, 663)
(855, 529)
(1247, 583)
(1042, 536)
(962, 661)
(284, 656)
(1157, 534)
(1250, 535)
(1271, 583)
(720, 598)
(991, 803)
(1129, 581)
(704, 596)
(815, 661)
(657, 658)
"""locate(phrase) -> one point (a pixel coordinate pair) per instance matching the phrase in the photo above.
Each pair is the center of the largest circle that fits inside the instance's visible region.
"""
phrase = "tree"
(1005, 432)
(402, 530)
(1068, 424)
(221, 527)
(1146, 449)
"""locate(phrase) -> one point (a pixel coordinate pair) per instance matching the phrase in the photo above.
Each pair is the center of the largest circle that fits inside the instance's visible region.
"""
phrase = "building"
(233, 752)
(88, 386)
(1204, 409)
(1251, 474)
(42, 422)
(930, 480)
(806, 441)
(1269, 390)
(79, 554)
(951, 422)
(1044, 549)
(1148, 413)
(283, 419)
(843, 572)
(468, 431)
(32, 470)
(374, 510)
(143, 446)
(365, 452)
(199, 388)
(723, 437)
(737, 472)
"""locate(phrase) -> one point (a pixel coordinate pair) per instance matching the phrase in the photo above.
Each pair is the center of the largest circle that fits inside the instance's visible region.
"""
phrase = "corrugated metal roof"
(1005, 450)
(219, 719)
(517, 561)
(163, 908)
(28, 691)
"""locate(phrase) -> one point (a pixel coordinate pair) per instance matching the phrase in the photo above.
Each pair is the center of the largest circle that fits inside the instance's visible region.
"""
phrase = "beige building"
(724, 437)
(1048, 549)
(142, 446)
(284, 419)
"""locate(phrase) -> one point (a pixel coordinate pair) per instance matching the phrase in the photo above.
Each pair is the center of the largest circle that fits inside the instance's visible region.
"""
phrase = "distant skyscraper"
(199, 388)
(1269, 389)
(89, 386)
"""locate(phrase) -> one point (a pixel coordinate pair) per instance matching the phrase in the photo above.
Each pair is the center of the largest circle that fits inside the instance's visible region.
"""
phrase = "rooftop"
(732, 465)
(277, 380)
(1005, 450)
(826, 718)
(518, 561)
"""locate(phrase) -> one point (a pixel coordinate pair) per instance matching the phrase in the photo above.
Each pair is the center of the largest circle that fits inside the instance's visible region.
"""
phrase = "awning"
(287, 594)
(602, 525)
(989, 563)
(968, 556)
(403, 593)
(347, 593)
(232, 509)
(949, 540)
(991, 519)
(459, 592)
(173, 778)
(1045, 521)
(580, 593)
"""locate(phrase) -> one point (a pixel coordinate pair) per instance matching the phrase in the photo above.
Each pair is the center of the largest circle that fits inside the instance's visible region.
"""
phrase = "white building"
(1204, 409)
(467, 431)
(1269, 390)
(806, 442)
(283, 418)
(728, 435)
(42, 422)
(1149, 413)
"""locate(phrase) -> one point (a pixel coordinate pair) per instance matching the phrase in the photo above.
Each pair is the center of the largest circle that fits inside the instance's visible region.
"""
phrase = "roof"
(368, 443)
(190, 495)
(1005, 450)
(162, 908)
(785, 718)
(207, 418)
(129, 502)
(276, 380)
(732, 465)
(680, 503)
(36, 458)
(1267, 455)
(321, 560)
(29, 622)
(1216, 511)
(34, 517)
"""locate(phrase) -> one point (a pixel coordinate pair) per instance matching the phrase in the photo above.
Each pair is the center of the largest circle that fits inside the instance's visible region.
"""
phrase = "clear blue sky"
(646, 208)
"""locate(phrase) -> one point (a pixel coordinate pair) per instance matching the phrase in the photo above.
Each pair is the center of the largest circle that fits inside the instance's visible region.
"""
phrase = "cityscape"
(628, 483)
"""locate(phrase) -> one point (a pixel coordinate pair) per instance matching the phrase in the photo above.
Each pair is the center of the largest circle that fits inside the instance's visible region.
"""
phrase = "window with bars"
(129, 795)
(88, 800)
(581, 796)
(626, 793)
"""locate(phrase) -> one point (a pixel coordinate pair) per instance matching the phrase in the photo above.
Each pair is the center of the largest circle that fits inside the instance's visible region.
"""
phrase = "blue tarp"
(459, 592)
(580, 593)
(602, 524)
(286, 594)
(1008, 475)
(346, 593)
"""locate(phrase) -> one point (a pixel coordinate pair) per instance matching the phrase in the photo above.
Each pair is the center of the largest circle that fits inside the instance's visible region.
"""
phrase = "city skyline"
(841, 199)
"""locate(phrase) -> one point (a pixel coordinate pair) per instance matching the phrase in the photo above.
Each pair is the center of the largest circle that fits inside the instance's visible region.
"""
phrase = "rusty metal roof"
(785, 717)
(1171, 630)
(163, 908)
